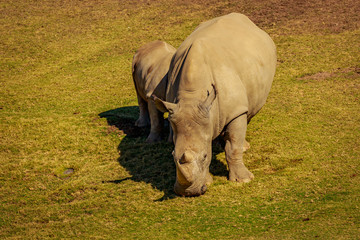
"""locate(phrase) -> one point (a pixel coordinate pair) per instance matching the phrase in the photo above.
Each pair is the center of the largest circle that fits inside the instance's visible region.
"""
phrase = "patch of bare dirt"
(351, 72)
(290, 16)
(318, 76)
(304, 16)
(286, 16)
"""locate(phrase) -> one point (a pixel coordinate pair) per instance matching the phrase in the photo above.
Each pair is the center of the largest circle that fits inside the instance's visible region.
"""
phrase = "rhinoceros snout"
(189, 191)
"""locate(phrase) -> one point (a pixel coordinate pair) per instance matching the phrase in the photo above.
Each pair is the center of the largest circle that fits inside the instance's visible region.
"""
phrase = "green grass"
(67, 101)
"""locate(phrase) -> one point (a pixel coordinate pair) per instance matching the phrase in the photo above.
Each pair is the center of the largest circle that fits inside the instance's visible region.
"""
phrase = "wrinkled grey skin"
(150, 66)
(219, 78)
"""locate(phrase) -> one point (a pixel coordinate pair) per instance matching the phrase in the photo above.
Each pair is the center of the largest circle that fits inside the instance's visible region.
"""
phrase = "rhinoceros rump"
(219, 78)
(150, 66)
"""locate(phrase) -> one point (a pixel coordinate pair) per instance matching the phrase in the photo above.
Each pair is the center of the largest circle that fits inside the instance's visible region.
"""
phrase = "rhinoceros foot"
(142, 122)
(241, 175)
(153, 137)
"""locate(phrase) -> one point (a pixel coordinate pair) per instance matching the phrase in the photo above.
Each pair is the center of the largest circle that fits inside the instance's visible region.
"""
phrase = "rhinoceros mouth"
(191, 191)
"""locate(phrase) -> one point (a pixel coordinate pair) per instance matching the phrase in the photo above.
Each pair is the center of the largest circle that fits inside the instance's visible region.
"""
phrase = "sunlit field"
(73, 165)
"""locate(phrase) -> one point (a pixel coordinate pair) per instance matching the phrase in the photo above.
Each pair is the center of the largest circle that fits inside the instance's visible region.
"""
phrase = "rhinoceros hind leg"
(143, 120)
(234, 147)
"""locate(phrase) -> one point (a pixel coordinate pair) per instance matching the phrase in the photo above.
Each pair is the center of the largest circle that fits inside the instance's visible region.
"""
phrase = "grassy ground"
(73, 166)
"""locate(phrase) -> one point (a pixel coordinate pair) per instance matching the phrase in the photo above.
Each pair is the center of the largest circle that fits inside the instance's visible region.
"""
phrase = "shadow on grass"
(150, 163)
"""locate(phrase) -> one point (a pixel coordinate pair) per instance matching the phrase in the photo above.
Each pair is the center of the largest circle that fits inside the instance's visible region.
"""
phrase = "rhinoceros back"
(150, 64)
(234, 55)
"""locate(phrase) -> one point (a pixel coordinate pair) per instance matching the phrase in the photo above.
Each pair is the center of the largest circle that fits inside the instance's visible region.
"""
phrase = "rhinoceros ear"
(206, 105)
(164, 106)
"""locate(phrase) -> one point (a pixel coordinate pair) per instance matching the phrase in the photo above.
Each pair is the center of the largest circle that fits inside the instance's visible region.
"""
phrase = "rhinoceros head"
(192, 136)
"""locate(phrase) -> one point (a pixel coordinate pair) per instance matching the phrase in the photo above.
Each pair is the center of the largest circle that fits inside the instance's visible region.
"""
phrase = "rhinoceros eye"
(205, 156)
(182, 161)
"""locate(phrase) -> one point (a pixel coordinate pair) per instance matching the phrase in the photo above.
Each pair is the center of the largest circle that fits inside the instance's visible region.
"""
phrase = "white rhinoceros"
(219, 78)
(149, 68)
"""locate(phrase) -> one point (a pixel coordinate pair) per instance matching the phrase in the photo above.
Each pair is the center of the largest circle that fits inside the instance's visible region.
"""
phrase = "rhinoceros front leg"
(157, 123)
(234, 144)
